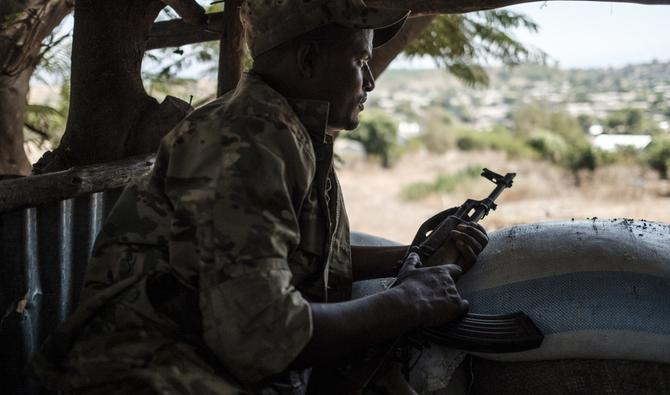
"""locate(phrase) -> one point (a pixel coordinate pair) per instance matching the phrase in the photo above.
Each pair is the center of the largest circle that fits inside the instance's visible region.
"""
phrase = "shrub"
(498, 139)
(658, 155)
(438, 131)
(549, 146)
(580, 157)
(437, 141)
(379, 135)
(443, 183)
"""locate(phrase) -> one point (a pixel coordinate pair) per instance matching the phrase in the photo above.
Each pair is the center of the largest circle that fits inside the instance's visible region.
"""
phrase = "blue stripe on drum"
(584, 301)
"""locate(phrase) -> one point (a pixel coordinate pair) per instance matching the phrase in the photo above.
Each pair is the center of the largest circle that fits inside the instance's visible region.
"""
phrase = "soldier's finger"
(474, 232)
(467, 239)
(481, 228)
(462, 305)
(455, 271)
(468, 257)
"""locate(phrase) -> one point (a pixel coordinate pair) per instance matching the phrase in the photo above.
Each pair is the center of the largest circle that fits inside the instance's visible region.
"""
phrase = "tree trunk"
(25, 25)
(231, 49)
(111, 116)
(13, 91)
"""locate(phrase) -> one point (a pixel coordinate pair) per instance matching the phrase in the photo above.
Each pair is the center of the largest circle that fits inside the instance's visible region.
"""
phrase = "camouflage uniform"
(201, 276)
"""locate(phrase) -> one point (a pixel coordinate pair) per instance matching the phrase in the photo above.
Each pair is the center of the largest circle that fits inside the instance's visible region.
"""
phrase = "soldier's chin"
(353, 123)
(344, 124)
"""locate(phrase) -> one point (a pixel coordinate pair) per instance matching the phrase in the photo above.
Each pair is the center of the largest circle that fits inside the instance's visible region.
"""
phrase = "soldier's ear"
(307, 56)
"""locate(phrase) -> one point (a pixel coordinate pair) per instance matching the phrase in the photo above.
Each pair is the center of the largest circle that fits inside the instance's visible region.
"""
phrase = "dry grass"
(541, 192)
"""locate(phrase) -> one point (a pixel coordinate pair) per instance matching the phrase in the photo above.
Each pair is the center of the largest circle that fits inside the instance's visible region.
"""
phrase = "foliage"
(585, 122)
(499, 139)
(460, 42)
(658, 155)
(580, 157)
(550, 146)
(47, 121)
(630, 120)
(379, 135)
(437, 130)
(55, 53)
(166, 63)
(163, 66)
(436, 140)
(534, 118)
(443, 183)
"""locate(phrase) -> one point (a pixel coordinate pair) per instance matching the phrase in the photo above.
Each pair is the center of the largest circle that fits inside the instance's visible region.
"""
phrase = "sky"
(593, 34)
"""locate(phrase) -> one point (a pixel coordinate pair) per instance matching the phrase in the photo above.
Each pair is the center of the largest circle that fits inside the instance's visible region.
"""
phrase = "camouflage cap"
(269, 23)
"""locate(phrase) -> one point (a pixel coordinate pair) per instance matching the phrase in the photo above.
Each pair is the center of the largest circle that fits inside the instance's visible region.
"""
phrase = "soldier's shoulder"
(257, 109)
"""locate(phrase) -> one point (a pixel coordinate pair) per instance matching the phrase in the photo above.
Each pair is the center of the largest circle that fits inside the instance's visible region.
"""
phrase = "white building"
(611, 142)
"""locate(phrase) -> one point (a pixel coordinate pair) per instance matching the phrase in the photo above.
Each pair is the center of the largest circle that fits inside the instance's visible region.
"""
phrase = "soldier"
(229, 269)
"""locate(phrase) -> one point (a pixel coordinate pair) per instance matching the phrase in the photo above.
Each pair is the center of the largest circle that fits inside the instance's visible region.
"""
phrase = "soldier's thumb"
(409, 264)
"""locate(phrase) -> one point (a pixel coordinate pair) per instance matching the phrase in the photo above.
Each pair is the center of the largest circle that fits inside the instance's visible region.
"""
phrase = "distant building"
(595, 130)
(408, 130)
(611, 142)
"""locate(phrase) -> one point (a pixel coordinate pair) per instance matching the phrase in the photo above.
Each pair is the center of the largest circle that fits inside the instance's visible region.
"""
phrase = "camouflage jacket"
(243, 209)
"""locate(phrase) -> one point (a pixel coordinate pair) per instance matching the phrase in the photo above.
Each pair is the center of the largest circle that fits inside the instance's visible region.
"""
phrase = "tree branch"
(53, 42)
(178, 32)
(189, 10)
(385, 54)
(67, 184)
(21, 37)
(36, 130)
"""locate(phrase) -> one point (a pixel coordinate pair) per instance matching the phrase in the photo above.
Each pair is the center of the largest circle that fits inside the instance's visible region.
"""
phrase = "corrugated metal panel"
(44, 251)
(48, 224)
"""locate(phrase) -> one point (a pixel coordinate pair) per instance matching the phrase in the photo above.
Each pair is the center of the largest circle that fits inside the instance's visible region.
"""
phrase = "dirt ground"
(541, 192)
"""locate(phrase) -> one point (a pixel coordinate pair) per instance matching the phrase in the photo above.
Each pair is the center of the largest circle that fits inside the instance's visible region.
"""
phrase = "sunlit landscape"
(541, 192)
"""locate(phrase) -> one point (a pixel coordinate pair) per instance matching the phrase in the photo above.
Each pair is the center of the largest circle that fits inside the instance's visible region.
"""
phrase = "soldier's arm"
(376, 262)
(232, 182)
(422, 297)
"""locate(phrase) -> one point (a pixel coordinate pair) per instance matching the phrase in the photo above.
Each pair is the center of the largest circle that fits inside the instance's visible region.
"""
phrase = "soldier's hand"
(431, 291)
(469, 239)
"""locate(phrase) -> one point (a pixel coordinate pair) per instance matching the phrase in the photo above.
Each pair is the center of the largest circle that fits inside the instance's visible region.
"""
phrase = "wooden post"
(231, 51)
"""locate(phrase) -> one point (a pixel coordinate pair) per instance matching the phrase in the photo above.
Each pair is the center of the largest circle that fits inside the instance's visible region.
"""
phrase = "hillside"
(591, 92)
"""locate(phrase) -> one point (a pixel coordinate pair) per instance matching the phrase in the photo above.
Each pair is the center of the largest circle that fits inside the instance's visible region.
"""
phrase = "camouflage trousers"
(177, 370)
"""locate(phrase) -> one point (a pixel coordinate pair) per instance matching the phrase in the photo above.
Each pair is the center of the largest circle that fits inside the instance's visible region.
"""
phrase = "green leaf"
(462, 43)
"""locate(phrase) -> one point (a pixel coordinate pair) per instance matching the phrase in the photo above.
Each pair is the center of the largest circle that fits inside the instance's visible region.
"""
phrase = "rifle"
(474, 332)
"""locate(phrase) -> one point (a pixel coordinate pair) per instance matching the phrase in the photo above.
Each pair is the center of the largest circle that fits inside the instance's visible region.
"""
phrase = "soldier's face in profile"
(346, 79)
